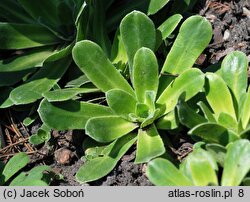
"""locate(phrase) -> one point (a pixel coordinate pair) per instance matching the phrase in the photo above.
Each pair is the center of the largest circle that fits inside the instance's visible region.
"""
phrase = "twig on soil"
(18, 133)
(13, 144)
(16, 138)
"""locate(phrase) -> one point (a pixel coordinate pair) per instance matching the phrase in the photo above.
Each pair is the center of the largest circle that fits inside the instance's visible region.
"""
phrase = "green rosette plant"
(40, 35)
(202, 166)
(224, 113)
(138, 109)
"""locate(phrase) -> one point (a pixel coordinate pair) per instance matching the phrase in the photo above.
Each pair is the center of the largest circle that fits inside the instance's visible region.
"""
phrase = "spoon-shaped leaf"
(108, 128)
(101, 166)
(121, 102)
(145, 73)
(91, 59)
(194, 36)
(70, 114)
(237, 163)
(162, 172)
(234, 72)
(149, 145)
(137, 31)
(218, 95)
(188, 83)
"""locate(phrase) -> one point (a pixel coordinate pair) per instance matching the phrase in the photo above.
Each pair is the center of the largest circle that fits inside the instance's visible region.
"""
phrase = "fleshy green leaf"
(145, 74)
(94, 63)
(237, 163)
(70, 114)
(200, 167)
(218, 95)
(20, 36)
(234, 72)
(13, 69)
(108, 128)
(121, 102)
(188, 83)
(156, 5)
(15, 164)
(162, 172)
(214, 133)
(169, 25)
(194, 36)
(101, 166)
(149, 145)
(137, 31)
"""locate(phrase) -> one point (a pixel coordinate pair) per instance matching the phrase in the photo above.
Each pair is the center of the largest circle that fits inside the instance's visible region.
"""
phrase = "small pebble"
(63, 156)
(226, 35)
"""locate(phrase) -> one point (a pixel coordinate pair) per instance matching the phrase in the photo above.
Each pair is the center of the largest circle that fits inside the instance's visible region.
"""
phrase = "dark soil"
(231, 25)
